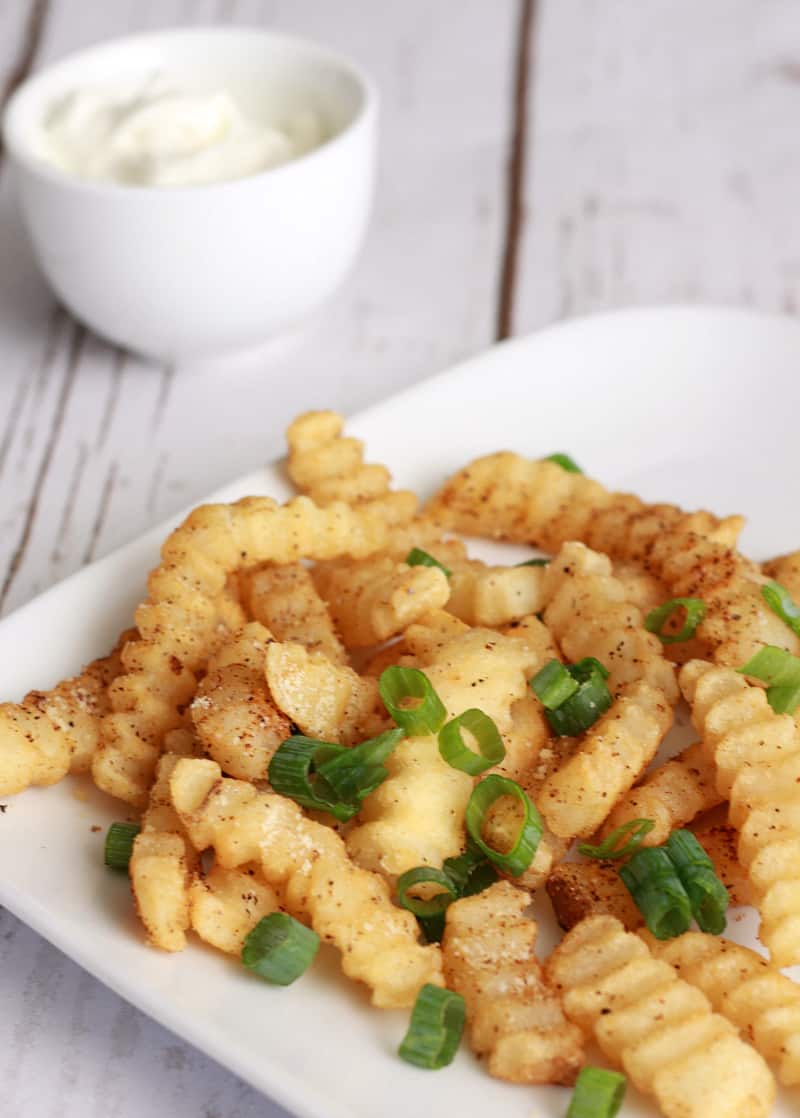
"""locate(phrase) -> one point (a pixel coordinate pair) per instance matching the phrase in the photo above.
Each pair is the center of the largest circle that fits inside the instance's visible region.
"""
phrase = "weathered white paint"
(662, 165)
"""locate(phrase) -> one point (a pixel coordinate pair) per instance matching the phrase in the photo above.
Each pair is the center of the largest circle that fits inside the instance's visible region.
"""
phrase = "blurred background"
(540, 159)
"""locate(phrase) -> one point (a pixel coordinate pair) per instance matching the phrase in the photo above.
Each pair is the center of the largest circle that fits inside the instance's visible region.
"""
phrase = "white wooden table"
(539, 160)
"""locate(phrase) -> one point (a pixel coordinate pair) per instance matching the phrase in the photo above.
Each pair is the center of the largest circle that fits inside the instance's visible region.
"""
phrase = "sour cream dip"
(161, 135)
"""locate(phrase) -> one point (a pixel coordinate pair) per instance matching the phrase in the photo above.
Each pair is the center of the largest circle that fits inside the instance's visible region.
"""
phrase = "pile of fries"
(338, 726)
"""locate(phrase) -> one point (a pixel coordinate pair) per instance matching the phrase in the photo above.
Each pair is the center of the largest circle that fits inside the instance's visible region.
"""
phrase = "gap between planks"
(515, 175)
(29, 48)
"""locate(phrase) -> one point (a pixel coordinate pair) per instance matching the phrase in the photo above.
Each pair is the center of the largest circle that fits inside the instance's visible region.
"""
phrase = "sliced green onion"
(458, 754)
(397, 685)
(634, 830)
(487, 792)
(565, 462)
(354, 773)
(419, 558)
(533, 563)
(781, 602)
(279, 949)
(426, 875)
(434, 1033)
(553, 685)
(290, 770)
(781, 672)
(653, 882)
(470, 872)
(657, 618)
(119, 845)
(708, 896)
(598, 1094)
(582, 704)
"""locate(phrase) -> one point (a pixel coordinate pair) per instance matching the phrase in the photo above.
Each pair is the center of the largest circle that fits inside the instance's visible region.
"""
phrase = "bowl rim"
(21, 152)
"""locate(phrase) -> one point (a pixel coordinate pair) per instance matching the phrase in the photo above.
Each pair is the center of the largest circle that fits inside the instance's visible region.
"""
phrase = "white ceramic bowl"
(177, 272)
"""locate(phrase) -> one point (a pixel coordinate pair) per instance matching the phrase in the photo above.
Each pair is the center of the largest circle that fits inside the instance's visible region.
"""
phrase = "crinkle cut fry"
(760, 1001)
(576, 799)
(330, 467)
(51, 733)
(306, 862)
(226, 904)
(159, 879)
(178, 622)
(661, 1030)
(373, 599)
(285, 600)
(757, 754)
(671, 796)
(694, 554)
(234, 714)
(588, 613)
(515, 1018)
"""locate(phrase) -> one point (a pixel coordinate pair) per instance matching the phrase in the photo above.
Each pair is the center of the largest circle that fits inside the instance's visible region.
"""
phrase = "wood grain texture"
(655, 159)
(663, 163)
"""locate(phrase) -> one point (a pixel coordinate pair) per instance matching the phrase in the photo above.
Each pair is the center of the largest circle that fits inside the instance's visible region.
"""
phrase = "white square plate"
(692, 406)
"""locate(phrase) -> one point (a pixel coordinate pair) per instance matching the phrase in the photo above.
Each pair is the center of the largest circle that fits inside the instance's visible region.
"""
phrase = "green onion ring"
(553, 685)
(457, 753)
(598, 1094)
(279, 949)
(522, 853)
(565, 462)
(653, 882)
(781, 602)
(434, 1032)
(708, 896)
(609, 848)
(397, 684)
(781, 672)
(657, 619)
(119, 845)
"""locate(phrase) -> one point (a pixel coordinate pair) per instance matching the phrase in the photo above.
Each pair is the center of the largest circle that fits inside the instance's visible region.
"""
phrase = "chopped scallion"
(119, 845)
(533, 563)
(598, 1094)
(582, 705)
(613, 846)
(434, 1033)
(565, 462)
(354, 773)
(484, 795)
(399, 686)
(781, 672)
(279, 949)
(780, 601)
(419, 558)
(653, 882)
(656, 619)
(457, 753)
(707, 895)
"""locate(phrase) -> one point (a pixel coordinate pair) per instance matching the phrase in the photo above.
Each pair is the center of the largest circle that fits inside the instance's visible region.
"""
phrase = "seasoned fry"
(537, 502)
(671, 796)
(642, 588)
(178, 622)
(494, 596)
(757, 754)
(756, 997)
(660, 1029)
(160, 885)
(285, 600)
(580, 889)
(226, 904)
(51, 733)
(515, 1019)
(577, 798)
(373, 599)
(233, 712)
(307, 862)
(330, 467)
(327, 701)
(588, 614)
(416, 816)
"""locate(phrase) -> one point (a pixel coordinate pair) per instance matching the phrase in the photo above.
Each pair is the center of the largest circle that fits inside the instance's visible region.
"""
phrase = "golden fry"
(659, 1029)
(160, 885)
(515, 1018)
(285, 600)
(580, 889)
(226, 904)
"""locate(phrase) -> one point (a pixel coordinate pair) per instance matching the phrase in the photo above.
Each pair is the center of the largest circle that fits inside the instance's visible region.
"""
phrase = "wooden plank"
(135, 442)
(663, 162)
